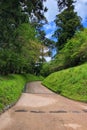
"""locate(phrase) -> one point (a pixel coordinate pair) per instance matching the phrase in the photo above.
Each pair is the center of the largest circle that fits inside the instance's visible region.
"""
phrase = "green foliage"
(75, 50)
(11, 87)
(31, 46)
(22, 56)
(45, 70)
(71, 83)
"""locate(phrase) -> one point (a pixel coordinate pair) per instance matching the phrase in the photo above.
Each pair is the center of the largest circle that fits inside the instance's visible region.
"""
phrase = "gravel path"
(40, 109)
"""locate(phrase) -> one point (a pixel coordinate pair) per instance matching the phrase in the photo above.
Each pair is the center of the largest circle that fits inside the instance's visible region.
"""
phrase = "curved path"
(41, 109)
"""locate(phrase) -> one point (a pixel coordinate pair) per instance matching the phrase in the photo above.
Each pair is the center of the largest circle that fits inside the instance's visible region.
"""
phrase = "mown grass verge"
(11, 87)
(71, 83)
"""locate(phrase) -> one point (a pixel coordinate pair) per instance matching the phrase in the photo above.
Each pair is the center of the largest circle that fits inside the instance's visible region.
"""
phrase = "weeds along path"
(40, 109)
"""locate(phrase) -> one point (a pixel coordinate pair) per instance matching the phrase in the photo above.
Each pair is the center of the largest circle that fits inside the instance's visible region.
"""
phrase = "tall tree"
(15, 12)
(67, 22)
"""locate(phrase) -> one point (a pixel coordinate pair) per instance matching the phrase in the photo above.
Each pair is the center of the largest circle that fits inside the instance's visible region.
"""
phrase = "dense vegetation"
(12, 86)
(74, 53)
(71, 83)
(21, 57)
(19, 45)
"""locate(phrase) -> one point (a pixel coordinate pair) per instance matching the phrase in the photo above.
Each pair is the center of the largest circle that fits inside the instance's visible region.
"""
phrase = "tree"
(65, 3)
(13, 13)
(19, 49)
(67, 22)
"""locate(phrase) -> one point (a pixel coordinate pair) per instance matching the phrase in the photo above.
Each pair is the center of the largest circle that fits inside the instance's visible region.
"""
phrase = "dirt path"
(41, 109)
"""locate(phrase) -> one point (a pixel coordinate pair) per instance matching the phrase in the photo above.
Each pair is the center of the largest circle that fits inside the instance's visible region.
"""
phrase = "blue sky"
(50, 28)
(80, 7)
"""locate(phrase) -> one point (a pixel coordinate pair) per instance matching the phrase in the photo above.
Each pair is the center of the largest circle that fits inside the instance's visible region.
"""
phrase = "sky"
(80, 7)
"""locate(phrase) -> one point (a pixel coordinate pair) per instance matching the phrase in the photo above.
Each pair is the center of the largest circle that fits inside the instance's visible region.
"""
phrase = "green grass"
(11, 87)
(71, 83)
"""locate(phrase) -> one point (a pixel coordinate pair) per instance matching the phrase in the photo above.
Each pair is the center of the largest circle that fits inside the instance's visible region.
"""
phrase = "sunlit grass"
(71, 83)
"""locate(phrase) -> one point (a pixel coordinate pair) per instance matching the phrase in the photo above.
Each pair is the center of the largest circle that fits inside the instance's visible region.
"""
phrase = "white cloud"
(81, 8)
(49, 26)
(49, 35)
(52, 9)
(47, 58)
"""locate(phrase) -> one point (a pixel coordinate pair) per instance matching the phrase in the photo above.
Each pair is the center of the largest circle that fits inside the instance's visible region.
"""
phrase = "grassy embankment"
(71, 83)
(12, 86)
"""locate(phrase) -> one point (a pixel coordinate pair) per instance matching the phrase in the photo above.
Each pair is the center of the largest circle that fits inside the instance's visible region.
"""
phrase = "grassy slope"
(71, 83)
(12, 86)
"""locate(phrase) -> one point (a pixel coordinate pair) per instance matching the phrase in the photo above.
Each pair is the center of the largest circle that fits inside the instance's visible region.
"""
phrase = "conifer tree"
(67, 22)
